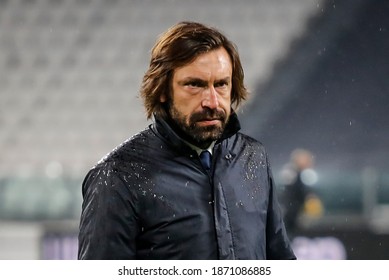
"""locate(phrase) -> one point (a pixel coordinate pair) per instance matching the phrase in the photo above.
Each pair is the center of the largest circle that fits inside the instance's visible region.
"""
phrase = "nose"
(210, 98)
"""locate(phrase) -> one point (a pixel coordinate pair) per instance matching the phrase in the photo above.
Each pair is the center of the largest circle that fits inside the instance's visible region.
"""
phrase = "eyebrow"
(192, 80)
(201, 81)
(225, 80)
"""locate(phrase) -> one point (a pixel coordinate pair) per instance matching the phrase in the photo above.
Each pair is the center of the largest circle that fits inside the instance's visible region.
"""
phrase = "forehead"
(215, 62)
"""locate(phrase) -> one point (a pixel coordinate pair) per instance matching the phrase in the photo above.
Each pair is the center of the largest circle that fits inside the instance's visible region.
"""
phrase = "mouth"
(208, 122)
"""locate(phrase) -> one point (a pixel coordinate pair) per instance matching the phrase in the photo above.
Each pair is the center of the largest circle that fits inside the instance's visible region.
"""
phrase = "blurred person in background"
(190, 186)
(297, 197)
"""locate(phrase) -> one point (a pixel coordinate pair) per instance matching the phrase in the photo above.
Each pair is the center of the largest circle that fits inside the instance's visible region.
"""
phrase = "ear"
(162, 98)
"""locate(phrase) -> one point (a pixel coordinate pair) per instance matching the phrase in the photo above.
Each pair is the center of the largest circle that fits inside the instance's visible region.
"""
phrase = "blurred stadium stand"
(69, 78)
(70, 70)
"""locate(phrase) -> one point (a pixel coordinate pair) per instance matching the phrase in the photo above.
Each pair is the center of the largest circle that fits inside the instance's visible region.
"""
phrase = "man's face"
(201, 97)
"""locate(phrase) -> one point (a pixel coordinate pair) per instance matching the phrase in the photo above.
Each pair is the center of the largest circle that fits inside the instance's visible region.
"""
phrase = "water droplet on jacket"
(239, 203)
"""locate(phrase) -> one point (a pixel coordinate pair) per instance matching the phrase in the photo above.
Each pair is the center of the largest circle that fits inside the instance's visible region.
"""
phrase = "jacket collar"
(166, 130)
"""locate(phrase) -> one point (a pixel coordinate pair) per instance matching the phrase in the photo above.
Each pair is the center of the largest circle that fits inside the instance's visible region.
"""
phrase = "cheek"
(188, 105)
(228, 110)
(183, 109)
(225, 103)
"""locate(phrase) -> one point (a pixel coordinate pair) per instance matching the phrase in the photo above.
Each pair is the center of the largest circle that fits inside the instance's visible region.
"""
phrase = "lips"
(209, 121)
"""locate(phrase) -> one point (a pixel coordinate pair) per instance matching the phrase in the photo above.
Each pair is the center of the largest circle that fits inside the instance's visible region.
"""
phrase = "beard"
(191, 131)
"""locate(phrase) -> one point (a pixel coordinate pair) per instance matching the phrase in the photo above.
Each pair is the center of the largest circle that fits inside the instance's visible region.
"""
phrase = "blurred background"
(317, 71)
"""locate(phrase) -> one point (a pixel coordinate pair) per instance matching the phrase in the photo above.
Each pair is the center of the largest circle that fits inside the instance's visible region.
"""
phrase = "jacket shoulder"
(250, 141)
(130, 149)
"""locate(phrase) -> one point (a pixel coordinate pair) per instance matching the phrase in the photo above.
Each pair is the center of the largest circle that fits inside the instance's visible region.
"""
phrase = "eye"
(193, 84)
(221, 84)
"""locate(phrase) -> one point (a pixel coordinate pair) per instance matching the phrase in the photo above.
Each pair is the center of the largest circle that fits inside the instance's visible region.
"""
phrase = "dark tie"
(205, 158)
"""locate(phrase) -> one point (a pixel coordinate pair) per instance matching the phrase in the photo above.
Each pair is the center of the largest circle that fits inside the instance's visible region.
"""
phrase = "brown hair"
(178, 46)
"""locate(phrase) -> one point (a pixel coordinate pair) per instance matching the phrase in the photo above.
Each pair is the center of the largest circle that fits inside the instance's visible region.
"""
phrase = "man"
(297, 197)
(153, 198)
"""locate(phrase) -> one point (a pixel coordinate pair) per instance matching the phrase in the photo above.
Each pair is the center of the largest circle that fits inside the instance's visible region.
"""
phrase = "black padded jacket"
(150, 198)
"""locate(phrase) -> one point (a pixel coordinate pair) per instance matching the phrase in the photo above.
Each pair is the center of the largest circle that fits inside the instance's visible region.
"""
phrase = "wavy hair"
(178, 46)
